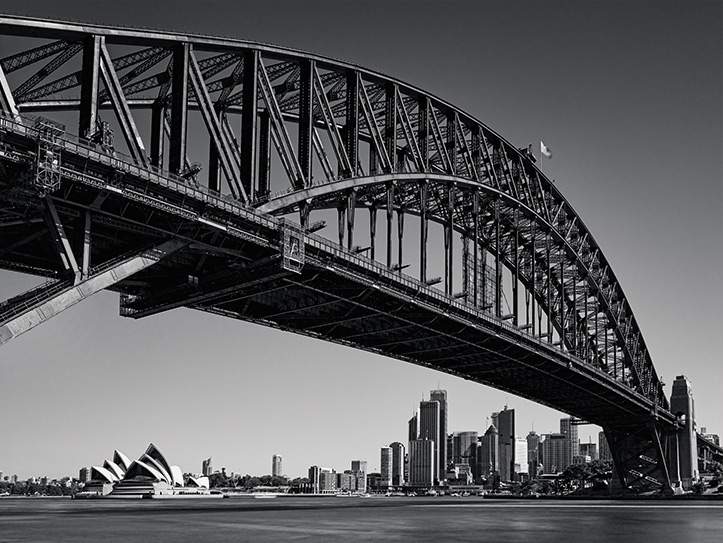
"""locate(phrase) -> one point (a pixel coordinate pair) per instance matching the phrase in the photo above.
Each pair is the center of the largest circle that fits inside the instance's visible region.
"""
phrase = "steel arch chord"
(286, 132)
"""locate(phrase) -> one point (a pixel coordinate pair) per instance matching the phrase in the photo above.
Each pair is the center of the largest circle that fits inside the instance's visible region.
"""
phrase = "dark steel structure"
(167, 196)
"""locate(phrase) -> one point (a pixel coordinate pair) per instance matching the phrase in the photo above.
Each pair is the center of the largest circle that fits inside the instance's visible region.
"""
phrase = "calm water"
(355, 520)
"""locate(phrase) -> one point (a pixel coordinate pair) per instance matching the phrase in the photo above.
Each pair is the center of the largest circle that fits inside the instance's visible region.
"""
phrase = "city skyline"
(633, 117)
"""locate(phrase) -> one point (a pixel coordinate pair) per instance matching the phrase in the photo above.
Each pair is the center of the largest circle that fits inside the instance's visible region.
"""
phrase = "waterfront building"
(314, 474)
(327, 481)
(206, 467)
(359, 468)
(464, 450)
(487, 460)
(589, 449)
(276, 468)
(519, 463)
(603, 447)
(422, 462)
(84, 475)
(413, 425)
(555, 448)
(713, 438)
(533, 451)
(398, 461)
(568, 428)
(429, 430)
(346, 481)
(386, 467)
(440, 396)
(505, 424)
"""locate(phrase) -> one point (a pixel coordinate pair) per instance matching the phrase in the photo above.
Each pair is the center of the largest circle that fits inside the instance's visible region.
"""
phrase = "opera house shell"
(151, 476)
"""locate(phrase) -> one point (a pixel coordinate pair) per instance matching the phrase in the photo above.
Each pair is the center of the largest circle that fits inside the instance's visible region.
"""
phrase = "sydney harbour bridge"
(231, 177)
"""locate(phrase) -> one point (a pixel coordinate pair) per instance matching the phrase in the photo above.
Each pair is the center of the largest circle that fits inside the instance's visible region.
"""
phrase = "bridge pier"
(682, 447)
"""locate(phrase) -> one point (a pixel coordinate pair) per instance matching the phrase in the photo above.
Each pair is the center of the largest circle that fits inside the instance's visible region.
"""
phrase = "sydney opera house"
(151, 476)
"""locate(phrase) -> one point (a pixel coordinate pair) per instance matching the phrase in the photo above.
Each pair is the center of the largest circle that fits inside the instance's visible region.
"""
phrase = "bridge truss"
(527, 301)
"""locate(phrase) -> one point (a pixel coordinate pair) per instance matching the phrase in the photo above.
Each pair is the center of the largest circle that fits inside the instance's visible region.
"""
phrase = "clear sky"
(629, 95)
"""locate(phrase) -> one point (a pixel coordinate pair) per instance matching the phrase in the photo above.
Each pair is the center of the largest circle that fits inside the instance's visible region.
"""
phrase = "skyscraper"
(398, 453)
(533, 445)
(429, 430)
(465, 450)
(568, 428)
(506, 429)
(422, 462)
(555, 448)
(206, 467)
(359, 469)
(441, 397)
(314, 475)
(386, 467)
(413, 427)
(276, 469)
(487, 461)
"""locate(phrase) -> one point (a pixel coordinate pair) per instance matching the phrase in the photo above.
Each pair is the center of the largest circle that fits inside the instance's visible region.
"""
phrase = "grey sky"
(629, 95)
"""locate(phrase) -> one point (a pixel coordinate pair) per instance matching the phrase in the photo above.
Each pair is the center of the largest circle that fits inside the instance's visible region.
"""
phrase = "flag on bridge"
(545, 150)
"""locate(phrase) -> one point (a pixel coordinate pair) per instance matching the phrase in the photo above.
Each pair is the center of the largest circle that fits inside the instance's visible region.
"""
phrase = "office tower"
(386, 467)
(603, 447)
(398, 454)
(464, 450)
(533, 449)
(506, 455)
(555, 448)
(429, 430)
(568, 428)
(314, 475)
(276, 469)
(359, 468)
(519, 462)
(327, 480)
(713, 438)
(84, 475)
(441, 397)
(487, 461)
(206, 467)
(589, 449)
(413, 428)
(422, 462)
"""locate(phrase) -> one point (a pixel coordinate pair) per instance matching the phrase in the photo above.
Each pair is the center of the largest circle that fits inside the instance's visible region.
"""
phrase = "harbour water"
(359, 520)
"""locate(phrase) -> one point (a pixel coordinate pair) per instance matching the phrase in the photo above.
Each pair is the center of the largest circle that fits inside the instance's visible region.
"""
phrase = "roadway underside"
(333, 305)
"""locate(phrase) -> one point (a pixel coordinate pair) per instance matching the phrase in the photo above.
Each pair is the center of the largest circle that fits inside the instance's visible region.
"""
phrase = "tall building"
(422, 462)
(589, 449)
(533, 450)
(487, 461)
(276, 469)
(314, 478)
(386, 467)
(464, 450)
(441, 397)
(206, 467)
(603, 447)
(83, 476)
(519, 462)
(359, 469)
(506, 428)
(568, 428)
(429, 430)
(398, 454)
(327, 480)
(713, 438)
(555, 448)
(413, 427)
